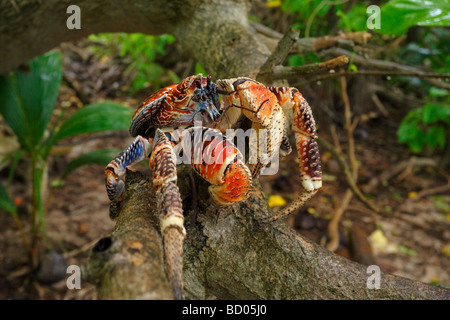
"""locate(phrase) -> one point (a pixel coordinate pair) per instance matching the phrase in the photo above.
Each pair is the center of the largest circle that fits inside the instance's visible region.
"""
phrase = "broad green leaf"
(27, 98)
(105, 116)
(6, 202)
(436, 136)
(101, 157)
(399, 15)
(435, 112)
(408, 131)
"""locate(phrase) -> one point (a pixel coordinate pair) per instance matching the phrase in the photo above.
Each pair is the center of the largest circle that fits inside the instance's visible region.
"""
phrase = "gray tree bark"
(216, 32)
(229, 253)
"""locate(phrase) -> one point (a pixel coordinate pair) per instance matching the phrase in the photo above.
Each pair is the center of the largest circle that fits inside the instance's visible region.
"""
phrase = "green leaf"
(437, 92)
(27, 99)
(6, 202)
(16, 156)
(101, 157)
(399, 15)
(105, 116)
(408, 131)
(436, 136)
(199, 69)
(435, 112)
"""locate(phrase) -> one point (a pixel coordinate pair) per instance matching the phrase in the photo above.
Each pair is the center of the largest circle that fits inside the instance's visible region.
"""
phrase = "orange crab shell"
(172, 106)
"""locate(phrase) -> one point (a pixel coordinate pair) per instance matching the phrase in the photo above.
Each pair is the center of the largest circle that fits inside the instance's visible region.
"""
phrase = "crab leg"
(308, 152)
(220, 163)
(115, 171)
(261, 107)
(163, 164)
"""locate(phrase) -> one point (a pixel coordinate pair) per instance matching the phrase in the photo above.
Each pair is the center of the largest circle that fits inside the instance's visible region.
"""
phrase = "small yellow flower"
(311, 210)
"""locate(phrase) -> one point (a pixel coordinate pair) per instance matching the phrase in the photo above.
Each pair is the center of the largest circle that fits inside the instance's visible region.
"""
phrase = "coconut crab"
(167, 124)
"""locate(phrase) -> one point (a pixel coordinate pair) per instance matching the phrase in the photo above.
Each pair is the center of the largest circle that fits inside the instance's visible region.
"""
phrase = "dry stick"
(427, 192)
(281, 72)
(335, 137)
(278, 56)
(307, 45)
(333, 226)
(348, 177)
(396, 170)
(379, 105)
(389, 66)
(350, 127)
(373, 73)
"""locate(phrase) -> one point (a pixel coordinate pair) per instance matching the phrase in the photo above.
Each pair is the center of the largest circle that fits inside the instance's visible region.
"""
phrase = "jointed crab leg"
(222, 165)
(163, 164)
(115, 171)
(261, 107)
(264, 107)
(308, 152)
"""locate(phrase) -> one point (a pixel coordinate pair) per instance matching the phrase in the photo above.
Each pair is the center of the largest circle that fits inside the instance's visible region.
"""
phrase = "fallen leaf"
(380, 243)
(412, 194)
(276, 201)
(446, 250)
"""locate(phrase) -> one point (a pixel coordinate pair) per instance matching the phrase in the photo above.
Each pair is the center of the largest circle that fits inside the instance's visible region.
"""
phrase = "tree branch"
(372, 73)
(231, 254)
(281, 72)
(278, 56)
(307, 45)
(388, 66)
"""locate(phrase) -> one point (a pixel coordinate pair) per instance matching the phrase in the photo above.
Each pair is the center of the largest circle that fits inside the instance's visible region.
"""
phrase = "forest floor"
(410, 239)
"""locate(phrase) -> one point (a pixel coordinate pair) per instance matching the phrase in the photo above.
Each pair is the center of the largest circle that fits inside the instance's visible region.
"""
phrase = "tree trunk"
(229, 252)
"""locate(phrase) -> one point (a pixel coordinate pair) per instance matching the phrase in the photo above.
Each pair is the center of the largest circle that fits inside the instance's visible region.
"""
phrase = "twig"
(266, 31)
(307, 45)
(348, 177)
(280, 72)
(396, 170)
(280, 53)
(373, 73)
(428, 192)
(379, 105)
(349, 126)
(333, 226)
(14, 4)
(389, 66)
(335, 138)
(82, 249)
